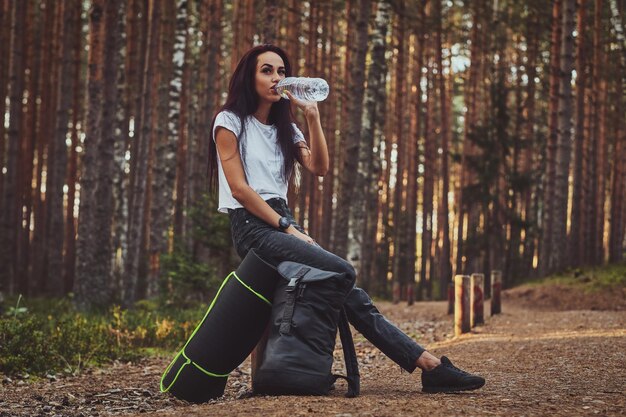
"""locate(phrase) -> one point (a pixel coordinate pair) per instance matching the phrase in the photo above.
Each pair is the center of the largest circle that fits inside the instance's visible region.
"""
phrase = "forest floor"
(551, 352)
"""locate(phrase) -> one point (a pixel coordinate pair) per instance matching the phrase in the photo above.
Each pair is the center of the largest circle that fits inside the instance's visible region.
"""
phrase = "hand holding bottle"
(309, 107)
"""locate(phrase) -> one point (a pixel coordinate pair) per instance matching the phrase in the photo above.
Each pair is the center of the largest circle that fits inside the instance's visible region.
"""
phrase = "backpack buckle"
(293, 283)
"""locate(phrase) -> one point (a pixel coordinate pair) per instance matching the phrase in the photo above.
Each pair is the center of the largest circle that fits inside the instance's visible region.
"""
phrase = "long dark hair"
(243, 101)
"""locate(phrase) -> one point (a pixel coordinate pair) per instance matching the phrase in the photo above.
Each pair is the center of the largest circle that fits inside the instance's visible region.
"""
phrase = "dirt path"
(560, 363)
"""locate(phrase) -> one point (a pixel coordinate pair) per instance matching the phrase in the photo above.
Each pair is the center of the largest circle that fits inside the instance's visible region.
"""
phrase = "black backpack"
(306, 313)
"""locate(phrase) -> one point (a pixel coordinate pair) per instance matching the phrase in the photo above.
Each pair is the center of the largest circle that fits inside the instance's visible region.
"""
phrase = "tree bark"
(10, 197)
(352, 138)
(57, 171)
(443, 225)
(413, 137)
(399, 209)
(137, 209)
(29, 132)
(576, 236)
(329, 181)
(618, 186)
(92, 263)
(530, 160)
(270, 21)
(72, 174)
(564, 145)
(5, 51)
(179, 94)
(471, 98)
(427, 270)
(360, 249)
(46, 158)
(546, 264)
(165, 150)
(599, 133)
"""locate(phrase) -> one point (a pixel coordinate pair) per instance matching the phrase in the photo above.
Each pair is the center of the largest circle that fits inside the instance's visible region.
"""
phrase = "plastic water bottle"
(304, 88)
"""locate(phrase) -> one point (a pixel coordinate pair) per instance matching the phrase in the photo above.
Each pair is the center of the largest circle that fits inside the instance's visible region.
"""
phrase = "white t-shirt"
(263, 162)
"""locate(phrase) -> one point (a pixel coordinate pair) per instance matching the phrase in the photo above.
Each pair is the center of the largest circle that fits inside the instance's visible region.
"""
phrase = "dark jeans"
(274, 246)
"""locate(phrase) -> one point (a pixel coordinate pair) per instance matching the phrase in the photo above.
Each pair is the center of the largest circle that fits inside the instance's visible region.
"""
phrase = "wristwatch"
(283, 223)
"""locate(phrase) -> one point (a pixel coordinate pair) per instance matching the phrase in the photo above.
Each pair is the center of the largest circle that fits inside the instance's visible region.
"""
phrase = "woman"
(252, 155)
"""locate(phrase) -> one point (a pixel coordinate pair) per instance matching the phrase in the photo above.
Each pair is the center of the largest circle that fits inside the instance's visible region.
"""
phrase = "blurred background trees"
(464, 136)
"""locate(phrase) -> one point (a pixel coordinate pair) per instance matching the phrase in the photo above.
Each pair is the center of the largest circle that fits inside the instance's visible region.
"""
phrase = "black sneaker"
(448, 378)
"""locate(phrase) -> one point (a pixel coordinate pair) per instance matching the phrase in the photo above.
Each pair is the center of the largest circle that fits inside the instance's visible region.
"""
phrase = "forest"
(464, 136)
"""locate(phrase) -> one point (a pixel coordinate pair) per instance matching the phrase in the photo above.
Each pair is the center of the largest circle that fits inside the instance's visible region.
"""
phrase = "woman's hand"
(309, 107)
(295, 232)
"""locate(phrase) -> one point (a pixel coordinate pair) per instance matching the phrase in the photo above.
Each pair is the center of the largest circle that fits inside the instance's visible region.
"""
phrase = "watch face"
(283, 222)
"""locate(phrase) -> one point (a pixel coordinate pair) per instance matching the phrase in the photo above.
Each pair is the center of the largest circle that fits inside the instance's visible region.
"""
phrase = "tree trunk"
(599, 133)
(179, 93)
(92, 263)
(165, 169)
(530, 160)
(430, 158)
(46, 149)
(513, 190)
(10, 197)
(618, 186)
(270, 21)
(546, 264)
(360, 251)
(125, 169)
(576, 236)
(137, 209)
(29, 132)
(399, 210)
(564, 145)
(5, 56)
(119, 226)
(137, 44)
(471, 98)
(329, 183)
(443, 225)
(57, 171)
(308, 196)
(413, 137)
(353, 132)
(77, 114)
(618, 183)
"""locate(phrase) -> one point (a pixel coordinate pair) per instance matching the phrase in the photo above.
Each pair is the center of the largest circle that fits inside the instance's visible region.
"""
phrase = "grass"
(592, 279)
(41, 336)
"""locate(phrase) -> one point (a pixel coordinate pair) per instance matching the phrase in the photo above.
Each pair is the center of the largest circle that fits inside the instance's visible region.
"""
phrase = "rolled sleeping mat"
(229, 331)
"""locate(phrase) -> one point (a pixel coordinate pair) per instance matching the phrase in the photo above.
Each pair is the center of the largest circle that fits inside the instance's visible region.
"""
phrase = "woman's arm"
(314, 158)
(226, 143)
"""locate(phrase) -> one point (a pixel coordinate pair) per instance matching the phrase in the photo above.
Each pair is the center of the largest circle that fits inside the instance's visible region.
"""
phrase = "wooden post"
(477, 310)
(451, 297)
(496, 287)
(461, 304)
(410, 295)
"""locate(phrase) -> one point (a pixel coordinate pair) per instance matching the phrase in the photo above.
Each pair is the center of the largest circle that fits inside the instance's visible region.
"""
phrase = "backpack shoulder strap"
(349, 355)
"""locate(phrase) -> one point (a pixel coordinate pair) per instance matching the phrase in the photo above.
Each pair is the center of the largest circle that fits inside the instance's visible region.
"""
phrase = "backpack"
(306, 313)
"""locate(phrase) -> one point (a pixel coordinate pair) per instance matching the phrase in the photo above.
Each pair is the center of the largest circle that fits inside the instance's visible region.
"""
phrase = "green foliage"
(23, 345)
(14, 311)
(184, 281)
(38, 343)
(51, 336)
(210, 228)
